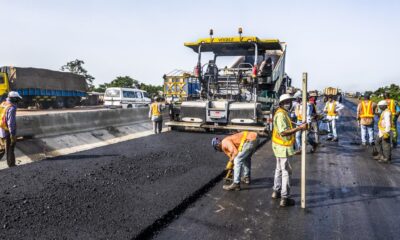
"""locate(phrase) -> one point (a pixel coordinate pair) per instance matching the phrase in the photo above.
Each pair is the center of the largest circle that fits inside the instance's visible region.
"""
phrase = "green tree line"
(128, 82)
(76, 66)
(393, 89)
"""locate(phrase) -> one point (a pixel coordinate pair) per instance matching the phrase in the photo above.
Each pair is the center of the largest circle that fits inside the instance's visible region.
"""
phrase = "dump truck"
(43, 88)
(180, 85)
(331, 91)
(238, 96)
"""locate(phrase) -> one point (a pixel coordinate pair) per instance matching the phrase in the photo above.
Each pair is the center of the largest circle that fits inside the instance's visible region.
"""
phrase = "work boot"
(298, 152)
(286, 202)
(232, 187)
(329, 138)
(335, 139)
(384, 160)
(314, 147)
(377, 157)
(276, 195)
(245, 180)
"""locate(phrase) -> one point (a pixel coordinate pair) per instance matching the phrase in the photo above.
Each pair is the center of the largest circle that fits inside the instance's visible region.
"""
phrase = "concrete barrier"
(71, 122)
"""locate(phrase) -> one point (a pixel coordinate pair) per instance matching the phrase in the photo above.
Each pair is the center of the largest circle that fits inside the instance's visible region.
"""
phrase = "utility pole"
(304, 143)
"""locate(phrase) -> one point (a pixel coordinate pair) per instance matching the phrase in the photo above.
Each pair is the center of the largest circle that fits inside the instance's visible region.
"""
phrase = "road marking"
(221, 208)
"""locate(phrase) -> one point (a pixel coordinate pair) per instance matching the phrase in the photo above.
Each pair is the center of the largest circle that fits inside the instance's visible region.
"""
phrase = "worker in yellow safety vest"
(283, 140)
(239, 148)
(384, 133)
(8, 127)
(155, 115)
(332, 110)
(365, 117)
(394, 108)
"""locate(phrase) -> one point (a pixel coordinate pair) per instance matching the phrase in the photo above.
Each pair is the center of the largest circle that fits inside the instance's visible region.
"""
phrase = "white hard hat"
(382, 103)
(297, 94)
(14, 94)
(284, 97)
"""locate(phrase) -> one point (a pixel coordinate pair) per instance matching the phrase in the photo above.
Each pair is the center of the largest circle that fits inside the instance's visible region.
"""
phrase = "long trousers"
(283, 172)
(6, 147)
(384, 147)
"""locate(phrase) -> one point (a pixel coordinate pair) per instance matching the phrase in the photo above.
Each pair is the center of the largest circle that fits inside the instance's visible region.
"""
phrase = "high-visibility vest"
(286, 141)
(391, 106)
(366, 110)
(4, 106)
(381, 125)
(331, 107)
(155, 111)
(298, 113)
(243, 140)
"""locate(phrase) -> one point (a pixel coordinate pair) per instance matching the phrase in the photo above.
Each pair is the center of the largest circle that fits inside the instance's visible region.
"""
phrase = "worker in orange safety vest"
(365, 116)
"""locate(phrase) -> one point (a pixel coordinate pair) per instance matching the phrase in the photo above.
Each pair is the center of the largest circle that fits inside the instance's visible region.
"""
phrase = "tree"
(76, 67)
(126, 82)
(152, 90)
(393, 89)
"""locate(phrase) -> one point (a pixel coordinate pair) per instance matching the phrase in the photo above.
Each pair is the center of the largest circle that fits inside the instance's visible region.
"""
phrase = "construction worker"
(155, 115)
(283, 141)
(299, 116)
(383, 139)
(332, 109)
(312, 101)
(365, 118)
(8, 124)
(239, 148)
(394, 108)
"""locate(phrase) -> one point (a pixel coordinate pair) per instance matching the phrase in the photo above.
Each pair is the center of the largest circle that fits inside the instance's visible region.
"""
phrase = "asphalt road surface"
(349, 196)
(113, 192)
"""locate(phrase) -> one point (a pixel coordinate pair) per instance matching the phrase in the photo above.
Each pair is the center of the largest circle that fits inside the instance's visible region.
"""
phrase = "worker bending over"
(383, 140)
(365, 118)
(155, 115)
(8, 124)
(283, 141)
(332, 109)
(394, 108)
(239, 148)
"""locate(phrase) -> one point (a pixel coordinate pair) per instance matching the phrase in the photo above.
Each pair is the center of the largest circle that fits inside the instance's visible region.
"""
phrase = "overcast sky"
(354, 45)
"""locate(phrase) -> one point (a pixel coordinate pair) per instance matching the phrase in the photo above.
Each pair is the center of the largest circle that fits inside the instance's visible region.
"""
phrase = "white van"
(125, 98)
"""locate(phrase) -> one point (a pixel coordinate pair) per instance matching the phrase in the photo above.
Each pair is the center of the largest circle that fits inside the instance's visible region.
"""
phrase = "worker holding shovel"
(239, 148)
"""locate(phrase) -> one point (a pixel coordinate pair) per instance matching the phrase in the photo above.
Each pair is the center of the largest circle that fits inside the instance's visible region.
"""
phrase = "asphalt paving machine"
(239, 96)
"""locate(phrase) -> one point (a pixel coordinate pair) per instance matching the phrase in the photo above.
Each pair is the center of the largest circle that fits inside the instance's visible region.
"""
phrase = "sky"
(353, 45)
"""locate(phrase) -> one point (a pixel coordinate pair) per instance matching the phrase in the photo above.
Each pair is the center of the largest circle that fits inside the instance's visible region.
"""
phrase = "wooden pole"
(304, 143)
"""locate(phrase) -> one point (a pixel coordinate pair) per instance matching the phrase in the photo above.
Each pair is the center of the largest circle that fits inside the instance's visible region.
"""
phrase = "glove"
(386, 135)
(13, 140)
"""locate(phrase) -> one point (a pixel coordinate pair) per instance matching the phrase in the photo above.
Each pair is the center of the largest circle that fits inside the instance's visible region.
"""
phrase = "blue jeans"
(367, 129)
(243, 160)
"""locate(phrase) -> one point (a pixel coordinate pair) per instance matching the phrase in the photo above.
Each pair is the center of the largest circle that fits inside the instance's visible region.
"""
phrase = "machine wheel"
(70, 102)
(129, 106)
(43, 105)
(58, 103)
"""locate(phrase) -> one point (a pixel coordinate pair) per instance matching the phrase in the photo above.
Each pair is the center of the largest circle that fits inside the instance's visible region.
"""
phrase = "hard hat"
(297, 94)
(215, 142)
(285, 97)
(382, 103)
(14, 94)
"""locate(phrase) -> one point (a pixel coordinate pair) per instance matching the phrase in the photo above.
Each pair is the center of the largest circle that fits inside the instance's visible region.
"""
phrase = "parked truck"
(334, 92)
(238, 96)
(43, 88)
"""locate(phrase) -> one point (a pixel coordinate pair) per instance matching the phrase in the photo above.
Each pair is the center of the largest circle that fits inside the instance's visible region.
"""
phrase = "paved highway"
(349, 196)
